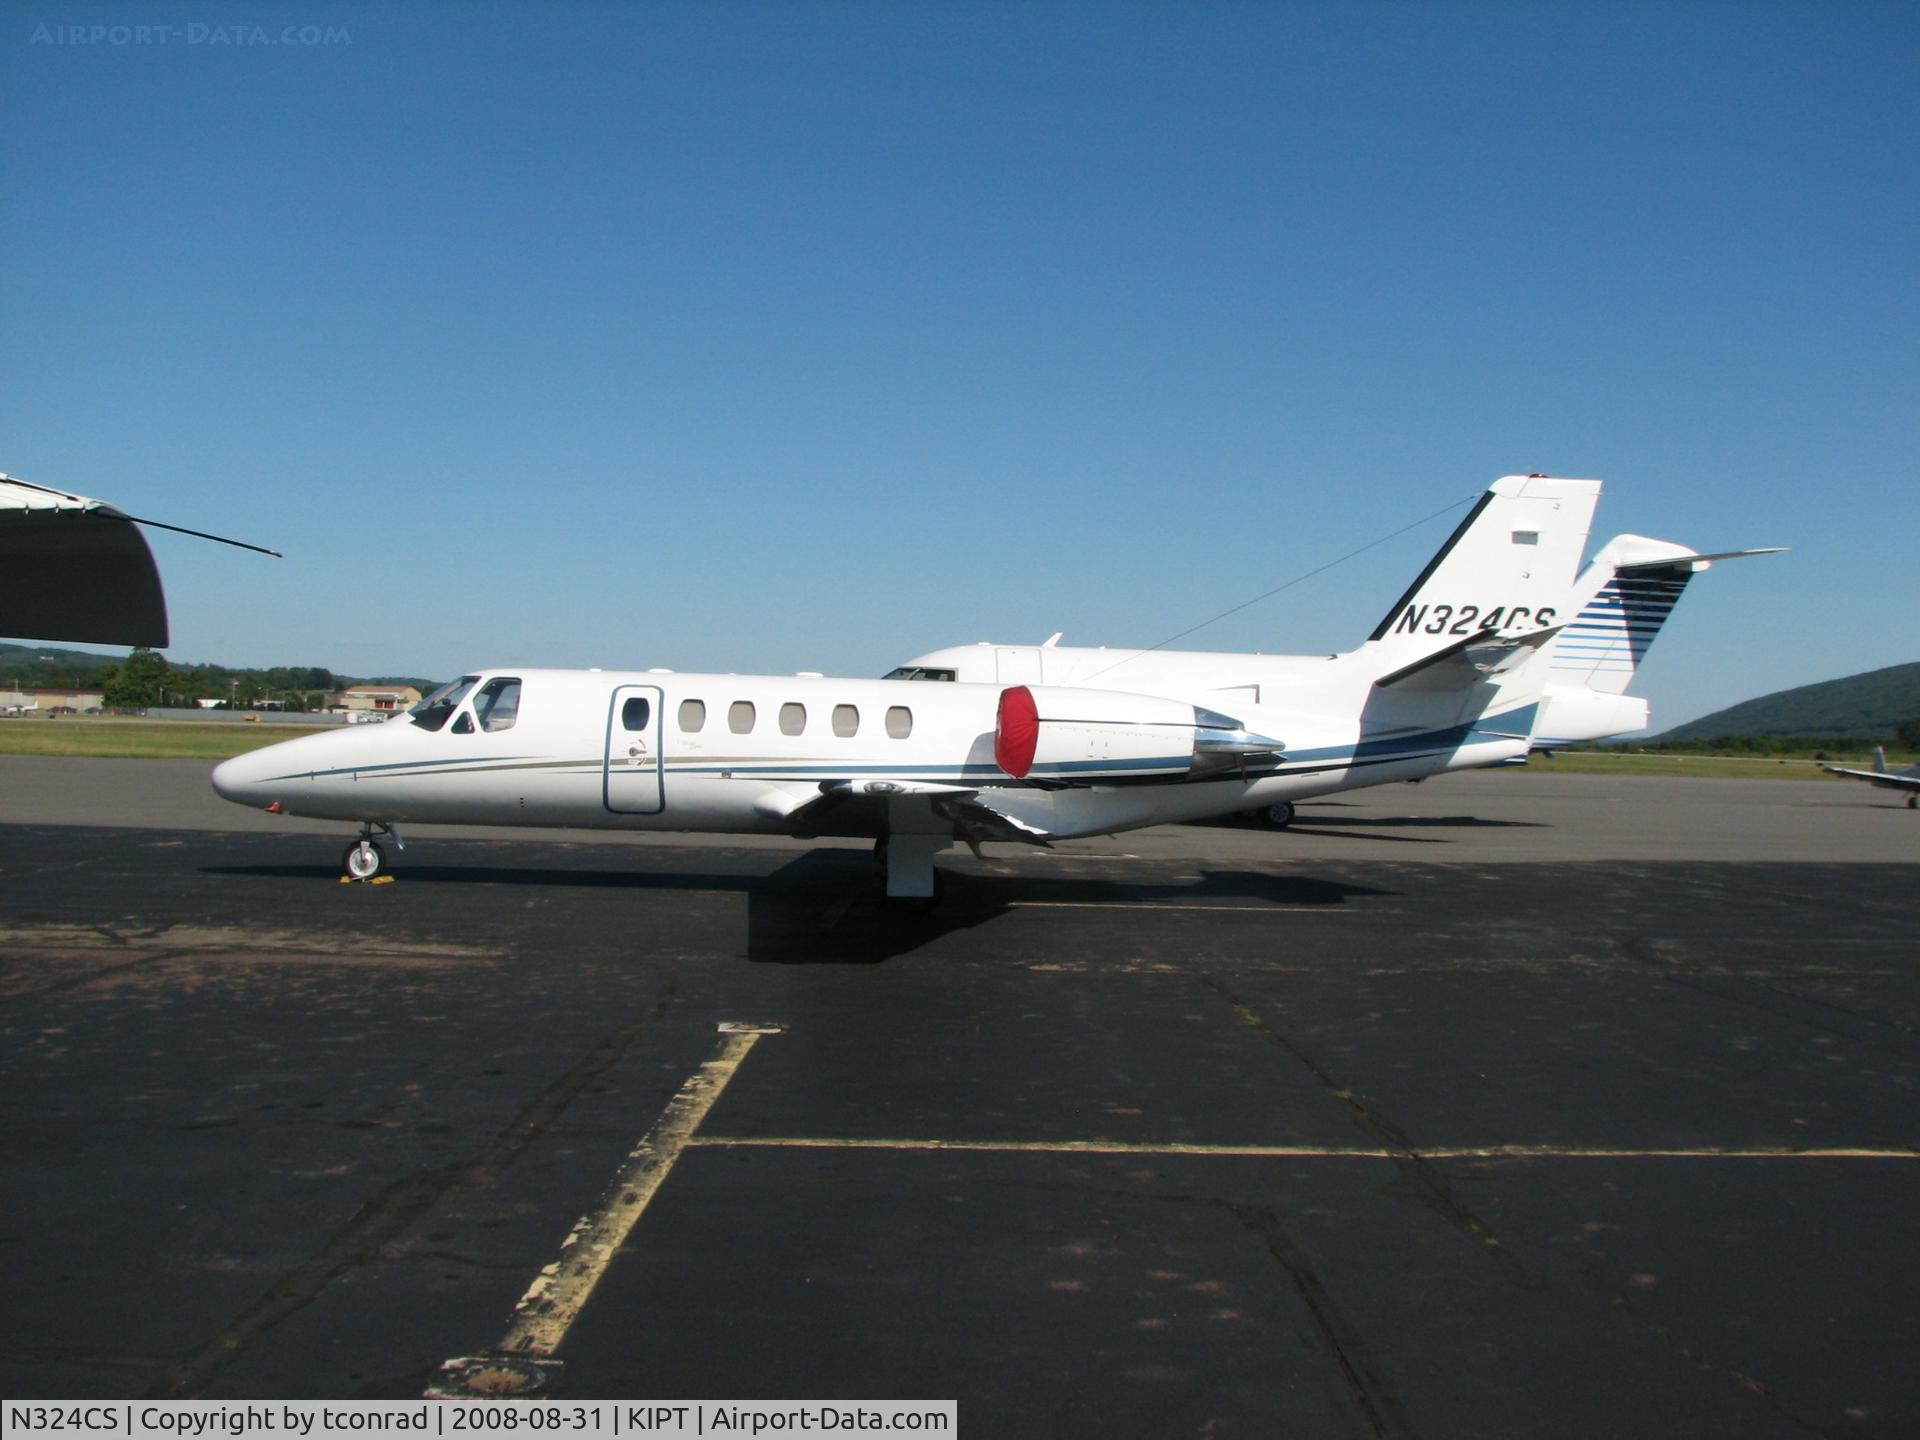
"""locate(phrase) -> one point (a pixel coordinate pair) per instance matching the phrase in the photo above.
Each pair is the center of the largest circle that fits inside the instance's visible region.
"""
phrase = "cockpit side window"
(918, 672)
(497, 705)
(432, 712)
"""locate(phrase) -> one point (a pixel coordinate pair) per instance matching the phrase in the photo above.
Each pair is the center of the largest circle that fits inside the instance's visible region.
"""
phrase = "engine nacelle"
(1569, 714)
(1052, 732)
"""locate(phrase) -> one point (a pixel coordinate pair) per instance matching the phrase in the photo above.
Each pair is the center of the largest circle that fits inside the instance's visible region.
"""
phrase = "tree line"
(146, 679)
(1816, 747)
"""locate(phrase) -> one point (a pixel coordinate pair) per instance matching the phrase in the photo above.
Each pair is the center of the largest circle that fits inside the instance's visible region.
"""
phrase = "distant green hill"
(24, 658)
(1870, 705)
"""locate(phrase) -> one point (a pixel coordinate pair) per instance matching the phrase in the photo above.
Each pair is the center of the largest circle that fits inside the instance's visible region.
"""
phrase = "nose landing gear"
(366, 857)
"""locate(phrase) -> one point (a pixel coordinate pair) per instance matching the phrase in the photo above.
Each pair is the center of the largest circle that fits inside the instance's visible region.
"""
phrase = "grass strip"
(141, 740)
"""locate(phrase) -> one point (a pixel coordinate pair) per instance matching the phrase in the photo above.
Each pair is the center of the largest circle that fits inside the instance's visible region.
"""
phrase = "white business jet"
(1509, 576)
(1029, 745)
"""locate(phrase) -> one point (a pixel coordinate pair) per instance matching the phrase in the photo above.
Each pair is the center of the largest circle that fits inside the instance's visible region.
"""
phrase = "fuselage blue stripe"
(1421, 744)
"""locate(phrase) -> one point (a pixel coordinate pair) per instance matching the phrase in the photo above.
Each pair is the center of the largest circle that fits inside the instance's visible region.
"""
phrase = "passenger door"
(634, 768)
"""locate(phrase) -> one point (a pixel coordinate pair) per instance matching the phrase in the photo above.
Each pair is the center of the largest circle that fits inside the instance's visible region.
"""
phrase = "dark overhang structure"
(74, 568)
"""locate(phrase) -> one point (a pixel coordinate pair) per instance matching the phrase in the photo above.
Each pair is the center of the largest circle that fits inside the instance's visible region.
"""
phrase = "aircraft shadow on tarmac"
(1372, 827)
(826, 907)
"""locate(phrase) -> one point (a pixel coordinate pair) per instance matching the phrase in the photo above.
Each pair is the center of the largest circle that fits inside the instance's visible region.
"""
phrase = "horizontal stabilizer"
(1695, 561)
(1469, 660)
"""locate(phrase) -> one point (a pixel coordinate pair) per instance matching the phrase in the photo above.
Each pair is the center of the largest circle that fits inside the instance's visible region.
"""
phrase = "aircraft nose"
(239, 780)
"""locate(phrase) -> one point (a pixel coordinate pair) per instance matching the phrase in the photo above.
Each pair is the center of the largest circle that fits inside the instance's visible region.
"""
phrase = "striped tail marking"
(1613, 633)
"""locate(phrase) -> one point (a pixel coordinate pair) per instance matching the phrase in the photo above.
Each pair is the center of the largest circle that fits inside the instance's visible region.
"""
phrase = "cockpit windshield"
(432, 712)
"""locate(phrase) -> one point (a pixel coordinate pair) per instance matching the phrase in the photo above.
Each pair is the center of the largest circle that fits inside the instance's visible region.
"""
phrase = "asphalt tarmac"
(1509, 1104)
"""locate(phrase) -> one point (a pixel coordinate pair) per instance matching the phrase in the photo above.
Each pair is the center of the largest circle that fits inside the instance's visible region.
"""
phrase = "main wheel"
(364, 859)
(1278, 815)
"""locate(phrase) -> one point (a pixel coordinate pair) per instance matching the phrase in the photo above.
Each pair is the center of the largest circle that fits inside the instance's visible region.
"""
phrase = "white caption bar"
(310, 1419)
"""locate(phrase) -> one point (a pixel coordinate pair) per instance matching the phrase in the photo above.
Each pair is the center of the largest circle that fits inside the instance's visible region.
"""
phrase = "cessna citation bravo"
(1502, 645)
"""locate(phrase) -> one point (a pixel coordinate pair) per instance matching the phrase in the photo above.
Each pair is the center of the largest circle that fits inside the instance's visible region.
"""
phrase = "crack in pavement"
(394, 1254)
(1434, 1192)
(1414, 1169)
(78, 982)
(1368, 1387)
(383, 1219)
(1385, 1417)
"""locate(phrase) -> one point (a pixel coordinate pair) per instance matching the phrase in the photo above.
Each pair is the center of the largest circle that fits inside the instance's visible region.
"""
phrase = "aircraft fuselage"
(647, 750)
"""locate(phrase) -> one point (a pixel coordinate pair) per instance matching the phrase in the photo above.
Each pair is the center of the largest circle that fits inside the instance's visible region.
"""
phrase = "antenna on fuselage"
(1296, 580)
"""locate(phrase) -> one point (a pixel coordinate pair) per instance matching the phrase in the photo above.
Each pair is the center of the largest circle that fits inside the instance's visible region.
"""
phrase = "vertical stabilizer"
(1509, 567)
(1616, 612)
(1618, 608)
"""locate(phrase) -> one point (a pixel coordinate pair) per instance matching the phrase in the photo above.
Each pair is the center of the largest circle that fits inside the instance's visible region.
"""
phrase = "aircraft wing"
(1892, 779)
(1469, 659)
(860, 806)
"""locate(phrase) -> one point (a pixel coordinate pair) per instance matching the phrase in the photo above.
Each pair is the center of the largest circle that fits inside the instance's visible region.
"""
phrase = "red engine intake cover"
(1016, 732)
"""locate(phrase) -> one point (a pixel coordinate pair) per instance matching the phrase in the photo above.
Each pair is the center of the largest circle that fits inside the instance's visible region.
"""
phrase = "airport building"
(45, 700)
(375, 699)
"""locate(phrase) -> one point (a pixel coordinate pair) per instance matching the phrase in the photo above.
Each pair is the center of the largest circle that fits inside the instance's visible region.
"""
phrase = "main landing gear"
(1277, 816)
(907, 860)
(367, 857)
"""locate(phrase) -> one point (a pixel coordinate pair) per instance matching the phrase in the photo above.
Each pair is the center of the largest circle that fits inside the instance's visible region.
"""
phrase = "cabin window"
(899, 722)
(636, 713)
(793, 718)
(433, 712)
(740, 717)
(846, 720)
(497, 705)
(693, 716)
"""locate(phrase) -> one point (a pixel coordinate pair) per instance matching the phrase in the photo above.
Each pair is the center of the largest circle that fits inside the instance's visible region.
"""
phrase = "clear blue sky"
(767, 337)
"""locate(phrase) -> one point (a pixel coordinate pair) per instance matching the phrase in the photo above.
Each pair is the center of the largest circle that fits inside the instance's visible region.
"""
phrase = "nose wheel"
(367, 857)
(364, 860)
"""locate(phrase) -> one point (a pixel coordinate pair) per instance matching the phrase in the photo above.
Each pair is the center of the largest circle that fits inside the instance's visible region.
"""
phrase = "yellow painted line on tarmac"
(1310, 1152)
(1157, 905)
(554, 1300)
(1042, 1147)
(1681, 1152)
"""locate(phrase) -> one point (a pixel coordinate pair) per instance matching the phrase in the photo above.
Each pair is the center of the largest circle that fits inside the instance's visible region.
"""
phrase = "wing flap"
(860, 807)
